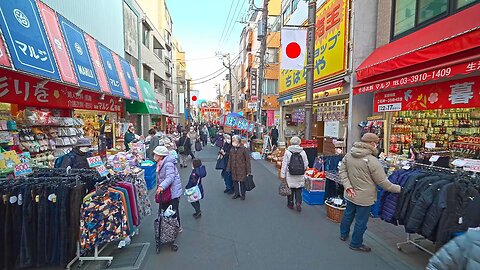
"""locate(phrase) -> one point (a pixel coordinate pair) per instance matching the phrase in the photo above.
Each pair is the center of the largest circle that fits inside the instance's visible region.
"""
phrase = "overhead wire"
(232, 21)
(225, 24)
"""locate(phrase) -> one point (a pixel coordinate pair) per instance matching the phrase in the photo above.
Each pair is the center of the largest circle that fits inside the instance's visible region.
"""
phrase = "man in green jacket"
(130, 137)
(360, 173)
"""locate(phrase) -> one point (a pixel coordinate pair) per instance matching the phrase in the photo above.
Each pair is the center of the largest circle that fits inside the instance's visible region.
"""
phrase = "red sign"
(58, 44)
(4, 59)
(97, 64)
(270, 118)
(170, 107)
(419, 78)
(126, 91)
(464, 93)
(25, 90)
(134, 71)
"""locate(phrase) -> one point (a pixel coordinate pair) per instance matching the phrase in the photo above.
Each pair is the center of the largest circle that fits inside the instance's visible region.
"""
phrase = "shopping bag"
(283, 189)
(198, 146)
(249, 184)
(193, 194)
(221, 164)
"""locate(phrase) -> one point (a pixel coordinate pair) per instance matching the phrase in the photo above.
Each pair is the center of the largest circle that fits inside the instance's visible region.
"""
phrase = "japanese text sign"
(97, 64)
(58, 44)
(22, 170)
(253, 82)
(77, 47)
(4, 58)
(26, 90)
(464, 93)
(137, 83)
(94, 161)
(26, 39)
(102, 170)
(121, 75)
(330, 46)
(127, 71)
(110, 70)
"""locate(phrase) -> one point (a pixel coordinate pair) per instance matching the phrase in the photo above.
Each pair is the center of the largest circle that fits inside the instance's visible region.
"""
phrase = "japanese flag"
(293, 48)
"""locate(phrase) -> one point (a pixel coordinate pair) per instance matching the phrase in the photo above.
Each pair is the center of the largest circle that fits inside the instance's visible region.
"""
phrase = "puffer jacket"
(434, 213)
(168, 176)
(196, 177)
(293, 181)
(405, 196)
(389, 200)
(420, 187)
(362, 171)
(462, 252)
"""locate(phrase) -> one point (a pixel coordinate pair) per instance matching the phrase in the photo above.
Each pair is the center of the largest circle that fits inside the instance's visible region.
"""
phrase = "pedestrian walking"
(204, 135)
(198, 172)
(225, 154)
(239, 166)
(184, 148)
(360, 173)
(193, 136)
(219, 139)
(152, 141)
(294, 165)
(274, 134)
(168, 180)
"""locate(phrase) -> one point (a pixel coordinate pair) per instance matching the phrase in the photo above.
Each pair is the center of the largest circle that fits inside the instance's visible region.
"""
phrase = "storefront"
(427, 90)
(144, 112)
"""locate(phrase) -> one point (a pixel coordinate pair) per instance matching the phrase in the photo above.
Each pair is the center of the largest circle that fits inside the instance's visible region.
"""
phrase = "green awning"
(150, 106)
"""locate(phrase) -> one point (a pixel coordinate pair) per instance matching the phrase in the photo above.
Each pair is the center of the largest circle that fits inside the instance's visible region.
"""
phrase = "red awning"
(453, 35)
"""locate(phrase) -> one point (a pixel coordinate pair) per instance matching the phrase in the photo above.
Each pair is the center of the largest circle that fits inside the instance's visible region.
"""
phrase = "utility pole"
(229, 66)
(312, 10)
(261, 75)
(188, 104)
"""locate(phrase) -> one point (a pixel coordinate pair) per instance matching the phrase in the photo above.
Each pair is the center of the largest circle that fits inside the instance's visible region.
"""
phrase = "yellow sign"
(330, 46)
(8, 160)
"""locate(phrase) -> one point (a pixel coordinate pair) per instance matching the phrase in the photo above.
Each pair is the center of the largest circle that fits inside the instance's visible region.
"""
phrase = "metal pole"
(261, 75)
(232, 105)
(188, 103)
(312, 9)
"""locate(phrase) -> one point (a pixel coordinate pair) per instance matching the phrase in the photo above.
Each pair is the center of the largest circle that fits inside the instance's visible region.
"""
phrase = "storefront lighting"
(102, 97)
(120, 100)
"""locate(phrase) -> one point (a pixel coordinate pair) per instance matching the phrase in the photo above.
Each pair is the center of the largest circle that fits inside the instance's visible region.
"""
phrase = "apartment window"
(146, 73)
(158, 84)
(168, 38)
(272, 55)
(286, 12)
(270, 87)
(294, 5)
(411, 15)
(146, 34)
(168, 94)
(274, 23)
(157, 48)
(132, 60)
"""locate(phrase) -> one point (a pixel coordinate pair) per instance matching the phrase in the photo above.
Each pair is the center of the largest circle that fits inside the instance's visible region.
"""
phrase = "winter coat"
(239, 163)
(76, 159)
(196, 177)
(226, 150)
(274, 133)
(185, 141)
(219, 141)
(461, 253)
(154, 142)
(362, 171)
(293, 181)
(193, 136)
(434, 213)
(129, 137)
(168, 176)
(405, 196)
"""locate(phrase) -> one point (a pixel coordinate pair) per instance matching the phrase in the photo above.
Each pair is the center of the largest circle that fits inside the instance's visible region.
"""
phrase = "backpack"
(296, 166)
(59, 160)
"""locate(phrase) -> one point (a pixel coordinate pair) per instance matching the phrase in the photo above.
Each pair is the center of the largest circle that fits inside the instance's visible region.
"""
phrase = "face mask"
(84, 149)
(229, 141)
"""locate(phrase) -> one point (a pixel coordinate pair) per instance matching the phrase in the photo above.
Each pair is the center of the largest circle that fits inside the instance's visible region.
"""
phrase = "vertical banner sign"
(97, 63)
(25, 38)
(253, 82)
(270, 118)
(127, 71)
(330, 55)
(77, 47)
(137, 85)
(110, 70)
(58, 44)
(4, 59)
(121, 75)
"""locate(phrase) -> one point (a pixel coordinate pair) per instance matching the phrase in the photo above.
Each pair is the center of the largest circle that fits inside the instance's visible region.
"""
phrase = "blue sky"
(198, 25)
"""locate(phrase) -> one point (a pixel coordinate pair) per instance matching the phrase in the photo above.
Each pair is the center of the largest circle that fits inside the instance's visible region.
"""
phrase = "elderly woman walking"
(240, 167)
(294, 165)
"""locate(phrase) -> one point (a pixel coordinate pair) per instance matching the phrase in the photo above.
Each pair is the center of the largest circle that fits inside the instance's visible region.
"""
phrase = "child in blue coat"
(199, 171)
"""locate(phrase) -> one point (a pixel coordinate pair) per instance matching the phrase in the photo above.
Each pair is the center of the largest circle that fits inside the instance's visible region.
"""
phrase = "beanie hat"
(370, 137)
(197, 163)
(295, 140)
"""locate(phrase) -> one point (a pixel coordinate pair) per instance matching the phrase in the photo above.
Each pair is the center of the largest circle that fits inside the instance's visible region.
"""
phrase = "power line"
(232, 21)
(225, 24)
(233, 25)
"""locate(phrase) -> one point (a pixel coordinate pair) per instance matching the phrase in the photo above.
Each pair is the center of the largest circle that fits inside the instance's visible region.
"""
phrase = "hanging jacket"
(463, 252)
(434, 212)
(405, 196)
(422, 185)
(196, 177)
(389, 200)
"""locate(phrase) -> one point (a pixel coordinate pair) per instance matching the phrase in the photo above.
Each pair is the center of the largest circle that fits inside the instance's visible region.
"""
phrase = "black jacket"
(185, 141)
(76, 159)
(421, 186)
(405, 196)
(434, 213)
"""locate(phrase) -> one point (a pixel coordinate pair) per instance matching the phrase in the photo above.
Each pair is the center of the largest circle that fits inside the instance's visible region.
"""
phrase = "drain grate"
(130, 257)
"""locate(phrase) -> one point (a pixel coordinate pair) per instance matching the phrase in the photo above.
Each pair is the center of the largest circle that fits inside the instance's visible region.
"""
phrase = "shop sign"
(24, 90)
(251, 126)
(26, 39)
(4, 59)
(77, 47)
(110, 69)
(330, 46)
(270, 118)
(102, 170)
(97, 64)
(58, 44)
(420, 78)
(230, 121)
(170, 107)
(137, 83)
(127, 71)
(121, 75)
(253, 82)
(464, 93)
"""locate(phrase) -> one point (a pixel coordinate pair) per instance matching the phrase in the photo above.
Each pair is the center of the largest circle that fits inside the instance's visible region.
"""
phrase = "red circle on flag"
(194, 98)
(293, 50)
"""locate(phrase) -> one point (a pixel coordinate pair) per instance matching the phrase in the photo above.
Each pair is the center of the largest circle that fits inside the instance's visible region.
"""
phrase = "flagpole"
(312, 9)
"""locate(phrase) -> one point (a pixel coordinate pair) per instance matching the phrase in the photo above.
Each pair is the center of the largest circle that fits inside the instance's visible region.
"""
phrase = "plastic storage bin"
(313, 197)
(314, 184)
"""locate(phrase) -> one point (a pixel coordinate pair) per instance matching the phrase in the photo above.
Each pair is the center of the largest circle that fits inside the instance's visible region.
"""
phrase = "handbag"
(221, 164)
(193, 194)
(283, 189)
(198, 146)
(181, 148)
(164, 197)
(249, 184)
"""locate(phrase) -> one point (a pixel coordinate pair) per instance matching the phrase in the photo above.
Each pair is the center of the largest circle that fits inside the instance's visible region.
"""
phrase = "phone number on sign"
(431, 75)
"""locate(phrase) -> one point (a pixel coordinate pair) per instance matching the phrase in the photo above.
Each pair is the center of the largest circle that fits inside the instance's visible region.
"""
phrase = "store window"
(146, 34)
(272, 55)
(411, 15)
(270, 87)
(158, 84)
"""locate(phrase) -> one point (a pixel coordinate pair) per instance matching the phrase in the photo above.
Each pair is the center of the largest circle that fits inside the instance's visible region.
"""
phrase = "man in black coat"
(274, 135)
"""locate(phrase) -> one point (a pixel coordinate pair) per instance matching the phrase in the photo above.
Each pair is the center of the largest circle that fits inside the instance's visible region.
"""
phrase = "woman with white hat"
(168, 179)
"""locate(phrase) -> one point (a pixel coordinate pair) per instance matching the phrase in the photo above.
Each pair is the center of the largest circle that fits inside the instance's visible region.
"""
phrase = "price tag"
(22, 170)
(472, 165)
(94, 161)
(430, 145)
(117, 167)
(102, 170)
(434, 158)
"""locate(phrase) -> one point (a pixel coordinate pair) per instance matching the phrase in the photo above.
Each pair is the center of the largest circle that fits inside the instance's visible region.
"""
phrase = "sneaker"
(361, 248)
(226, 191)
(242, 198)
(235, 197)
(299, 207)
(290, 206)
(343, 238)
(197, 215)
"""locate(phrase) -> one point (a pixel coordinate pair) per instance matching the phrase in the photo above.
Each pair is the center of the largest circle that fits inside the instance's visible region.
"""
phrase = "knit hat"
(197, 163)
(370, 137)
(295, 140)
(161, 151)
(83, 142)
